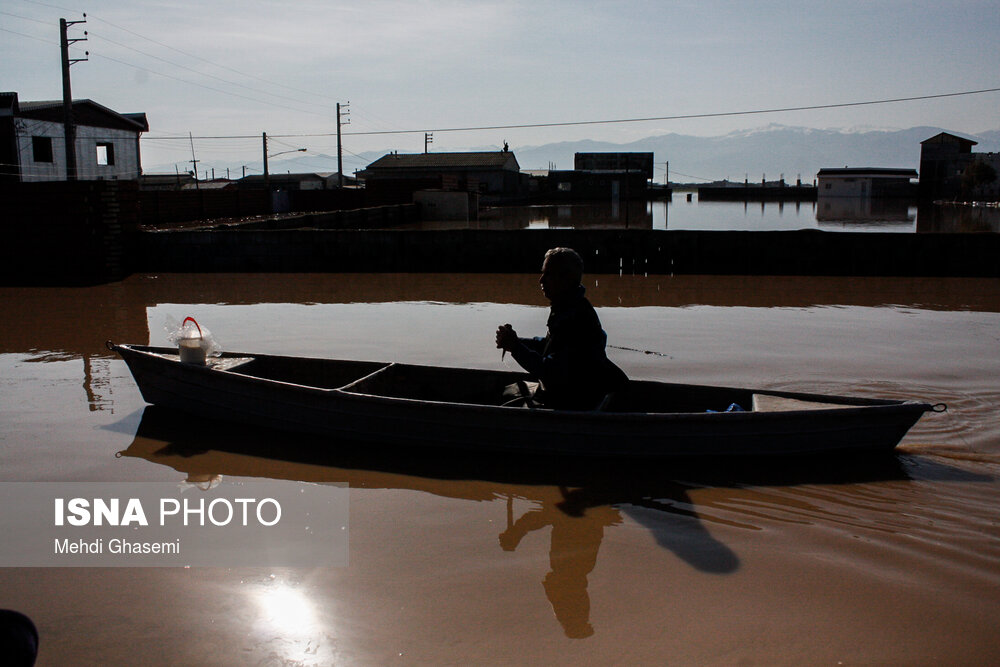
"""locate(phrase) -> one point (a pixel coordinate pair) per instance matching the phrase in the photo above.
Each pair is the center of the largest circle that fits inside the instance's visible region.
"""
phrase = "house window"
(41, 148)
(105, 154)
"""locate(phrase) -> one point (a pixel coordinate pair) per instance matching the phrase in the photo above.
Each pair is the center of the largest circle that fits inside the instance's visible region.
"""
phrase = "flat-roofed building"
(866, 182)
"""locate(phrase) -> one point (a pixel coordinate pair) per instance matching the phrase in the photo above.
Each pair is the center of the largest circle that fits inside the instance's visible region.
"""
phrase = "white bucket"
(192, 347)
(191, 351)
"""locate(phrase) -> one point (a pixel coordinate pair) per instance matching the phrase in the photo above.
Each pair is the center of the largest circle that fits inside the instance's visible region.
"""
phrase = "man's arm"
(528, 353)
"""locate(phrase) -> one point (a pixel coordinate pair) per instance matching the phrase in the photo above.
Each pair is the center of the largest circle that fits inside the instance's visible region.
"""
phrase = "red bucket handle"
(191, 319)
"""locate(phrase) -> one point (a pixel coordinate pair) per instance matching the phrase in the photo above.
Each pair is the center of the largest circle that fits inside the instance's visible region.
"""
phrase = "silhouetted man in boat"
(569, 363)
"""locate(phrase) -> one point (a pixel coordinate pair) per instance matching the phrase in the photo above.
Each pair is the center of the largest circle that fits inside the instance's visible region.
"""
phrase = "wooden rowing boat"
(430, 406)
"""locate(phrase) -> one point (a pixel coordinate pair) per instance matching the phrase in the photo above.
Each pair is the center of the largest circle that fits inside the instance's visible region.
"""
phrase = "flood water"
(833, 214)
(479, 561)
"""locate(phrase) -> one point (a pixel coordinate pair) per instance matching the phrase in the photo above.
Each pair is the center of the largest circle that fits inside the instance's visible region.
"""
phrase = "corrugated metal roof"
(480, 160)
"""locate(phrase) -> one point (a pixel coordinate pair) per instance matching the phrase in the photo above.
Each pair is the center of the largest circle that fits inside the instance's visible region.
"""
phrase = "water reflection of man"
(576, 540)
(569, 362)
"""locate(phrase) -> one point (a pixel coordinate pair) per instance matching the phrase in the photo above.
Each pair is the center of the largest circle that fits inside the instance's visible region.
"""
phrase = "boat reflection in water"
(578, 499)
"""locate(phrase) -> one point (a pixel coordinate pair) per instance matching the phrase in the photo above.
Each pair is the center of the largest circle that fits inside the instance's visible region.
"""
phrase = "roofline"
(388, 158)
(875, 171)
(50, 104)
(953, 136)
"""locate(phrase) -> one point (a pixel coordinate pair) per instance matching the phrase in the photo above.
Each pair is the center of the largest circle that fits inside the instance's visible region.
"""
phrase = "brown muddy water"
(468, 561)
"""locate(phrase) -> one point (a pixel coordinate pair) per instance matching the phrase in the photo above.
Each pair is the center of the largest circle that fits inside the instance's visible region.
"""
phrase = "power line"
(199, 58)
(21, 34)
(813, 107)
(700, 178)
(211, 76)
(175, 78)
(214, 64)
(26, 18)
(201, 85)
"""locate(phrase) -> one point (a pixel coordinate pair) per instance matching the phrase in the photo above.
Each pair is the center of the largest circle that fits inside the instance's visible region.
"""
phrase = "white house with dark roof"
(32, 141)
(865, 182)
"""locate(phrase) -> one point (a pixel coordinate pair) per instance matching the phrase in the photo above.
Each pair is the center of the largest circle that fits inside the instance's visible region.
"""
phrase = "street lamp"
(297, 150)
(266, 156)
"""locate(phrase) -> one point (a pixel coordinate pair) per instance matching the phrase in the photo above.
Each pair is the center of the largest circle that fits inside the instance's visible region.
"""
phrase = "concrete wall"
(64, 233)
(126, 158)
(442, 205)
(169, 206)
(806, 252)
(85, 232)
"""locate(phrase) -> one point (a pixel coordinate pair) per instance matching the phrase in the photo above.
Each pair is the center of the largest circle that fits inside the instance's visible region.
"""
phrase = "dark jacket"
(570, 361)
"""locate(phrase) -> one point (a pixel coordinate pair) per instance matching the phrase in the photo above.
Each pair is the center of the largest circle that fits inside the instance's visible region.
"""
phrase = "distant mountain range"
(771, 151)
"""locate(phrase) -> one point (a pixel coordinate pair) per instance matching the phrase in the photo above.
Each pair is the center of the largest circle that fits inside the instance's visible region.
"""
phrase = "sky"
(224, 71)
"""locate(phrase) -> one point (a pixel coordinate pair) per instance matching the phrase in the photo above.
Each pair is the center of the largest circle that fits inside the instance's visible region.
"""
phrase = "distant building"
(599, 176)
(395, 177)
(866, 182)
(32, 144)
(213, 184)
(300, 181)
(175, 181)
(944, 159)
(615, 162)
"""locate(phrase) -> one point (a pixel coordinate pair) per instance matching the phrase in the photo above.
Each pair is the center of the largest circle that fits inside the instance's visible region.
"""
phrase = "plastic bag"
(194, 342)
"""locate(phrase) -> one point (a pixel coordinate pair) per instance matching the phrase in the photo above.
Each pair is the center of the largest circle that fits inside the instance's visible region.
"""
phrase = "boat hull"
(404, 405)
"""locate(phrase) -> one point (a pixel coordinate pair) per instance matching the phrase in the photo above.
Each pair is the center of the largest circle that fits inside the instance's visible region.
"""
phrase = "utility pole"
(70, 125)
(428, 140)
(340, 151)
(267, 174)
(194, 164)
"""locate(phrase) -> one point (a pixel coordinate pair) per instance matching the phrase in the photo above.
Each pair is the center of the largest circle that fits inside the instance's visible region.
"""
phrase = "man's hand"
(506, 338)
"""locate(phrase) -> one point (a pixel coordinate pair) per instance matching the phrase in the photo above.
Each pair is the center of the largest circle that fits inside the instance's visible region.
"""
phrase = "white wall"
(840, 186)
(40, 171)
(126, 159)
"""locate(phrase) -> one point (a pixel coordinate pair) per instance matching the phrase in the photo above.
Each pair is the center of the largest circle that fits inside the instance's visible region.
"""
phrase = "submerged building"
(397, 176)
(875, 182)
(599, 176)
(945, 164)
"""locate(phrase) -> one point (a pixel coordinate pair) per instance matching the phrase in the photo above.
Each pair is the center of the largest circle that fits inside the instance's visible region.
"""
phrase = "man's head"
(562, 271)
